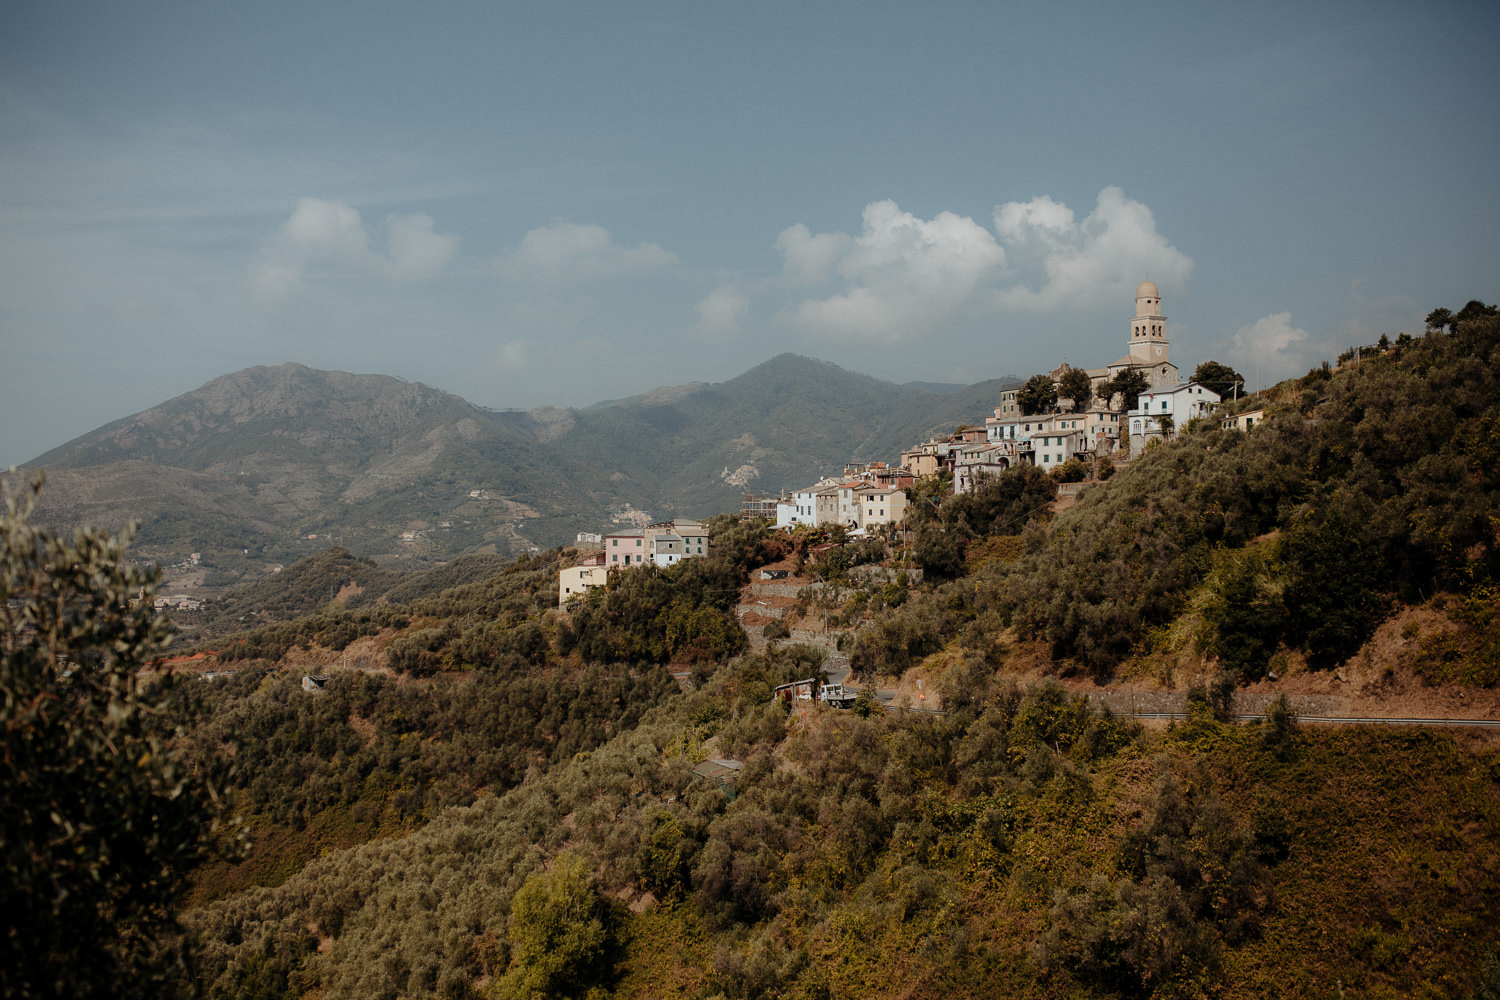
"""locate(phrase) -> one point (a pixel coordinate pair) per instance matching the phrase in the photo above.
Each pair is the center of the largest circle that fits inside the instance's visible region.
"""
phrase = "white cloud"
(573, 251)
(326, 227)
(416, 251)
(1095, 263)
(330, 235)
(721, 312)
(1271, 349)
(513, 356)
(274, 280)
(908, 275)
(1041, 219)
(809, 259)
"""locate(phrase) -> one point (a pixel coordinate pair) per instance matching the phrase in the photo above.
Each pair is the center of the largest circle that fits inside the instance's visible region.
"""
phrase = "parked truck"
(811, 690)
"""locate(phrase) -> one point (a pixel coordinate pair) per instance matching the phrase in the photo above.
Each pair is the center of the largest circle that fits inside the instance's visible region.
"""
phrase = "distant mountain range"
(274, 463)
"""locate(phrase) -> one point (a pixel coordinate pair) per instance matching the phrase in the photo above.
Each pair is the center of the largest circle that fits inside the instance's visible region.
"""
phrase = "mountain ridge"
(261, 459)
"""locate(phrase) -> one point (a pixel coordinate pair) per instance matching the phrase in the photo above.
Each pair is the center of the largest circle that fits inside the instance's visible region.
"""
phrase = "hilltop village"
(1071, 422)
(1087, 414)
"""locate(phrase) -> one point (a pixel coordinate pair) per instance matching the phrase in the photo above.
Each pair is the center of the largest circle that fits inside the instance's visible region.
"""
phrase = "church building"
(1149, 348)
(1050, 439)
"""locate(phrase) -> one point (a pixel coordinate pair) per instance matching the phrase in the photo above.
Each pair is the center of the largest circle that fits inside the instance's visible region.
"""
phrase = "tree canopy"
(100, 824)
(1473, 312)
(1038, 395)
(1219, 378)
(1076, 385)
(1130, 383)
(558, 936)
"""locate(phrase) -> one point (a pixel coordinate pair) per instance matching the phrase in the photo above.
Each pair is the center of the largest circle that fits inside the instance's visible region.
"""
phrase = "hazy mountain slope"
(177, 509)
(780, 425)
(359, 457)
(296, 437)
(283, 460)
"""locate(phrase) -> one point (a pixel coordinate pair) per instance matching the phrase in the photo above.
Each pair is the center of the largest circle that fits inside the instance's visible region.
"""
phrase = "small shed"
(723, 771)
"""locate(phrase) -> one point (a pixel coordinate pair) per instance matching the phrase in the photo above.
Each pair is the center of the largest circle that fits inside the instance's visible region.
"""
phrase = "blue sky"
(560, 203)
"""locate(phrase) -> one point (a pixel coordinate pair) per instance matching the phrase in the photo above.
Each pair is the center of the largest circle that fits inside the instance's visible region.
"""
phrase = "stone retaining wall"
(883, 574)
(1157, 702)
(765, 610)
(756, 634)
(760, 589)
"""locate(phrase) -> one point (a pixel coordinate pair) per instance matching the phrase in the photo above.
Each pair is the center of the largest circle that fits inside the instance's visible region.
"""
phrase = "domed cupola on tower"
(1148, 329)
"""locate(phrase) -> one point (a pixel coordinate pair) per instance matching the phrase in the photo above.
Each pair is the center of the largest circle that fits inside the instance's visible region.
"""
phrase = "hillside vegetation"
(502, 798)
(1283, 545)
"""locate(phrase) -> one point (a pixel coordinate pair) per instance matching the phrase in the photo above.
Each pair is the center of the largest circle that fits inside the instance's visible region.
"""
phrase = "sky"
(560, 203)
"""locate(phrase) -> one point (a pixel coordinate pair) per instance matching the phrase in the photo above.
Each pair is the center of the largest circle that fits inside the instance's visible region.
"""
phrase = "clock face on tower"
(1158, 350)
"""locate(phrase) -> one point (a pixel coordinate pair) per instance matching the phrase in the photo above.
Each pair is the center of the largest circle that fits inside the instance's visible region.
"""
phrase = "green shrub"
(1072, 471)
(558, 934)
(1243, 612)
(1336, 577)
(102, 820)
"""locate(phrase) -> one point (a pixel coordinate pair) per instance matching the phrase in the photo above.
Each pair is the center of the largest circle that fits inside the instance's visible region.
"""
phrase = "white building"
(853, 503)
(1243, 421)
(1044, 439)
(1178, 404)
(1050, 439)
(802, 506)
(976, 463)
(575, 581)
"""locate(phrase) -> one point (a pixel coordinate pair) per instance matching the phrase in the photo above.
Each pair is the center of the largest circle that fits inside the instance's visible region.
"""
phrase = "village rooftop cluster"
(661, 544)
(1112, 412)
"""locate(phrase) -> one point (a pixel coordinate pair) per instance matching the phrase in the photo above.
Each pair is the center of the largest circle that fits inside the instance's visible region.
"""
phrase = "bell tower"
(1148, 330)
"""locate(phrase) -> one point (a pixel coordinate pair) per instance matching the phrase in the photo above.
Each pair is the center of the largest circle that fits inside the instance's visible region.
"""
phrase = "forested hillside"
(496, 797)
(1286, 545)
